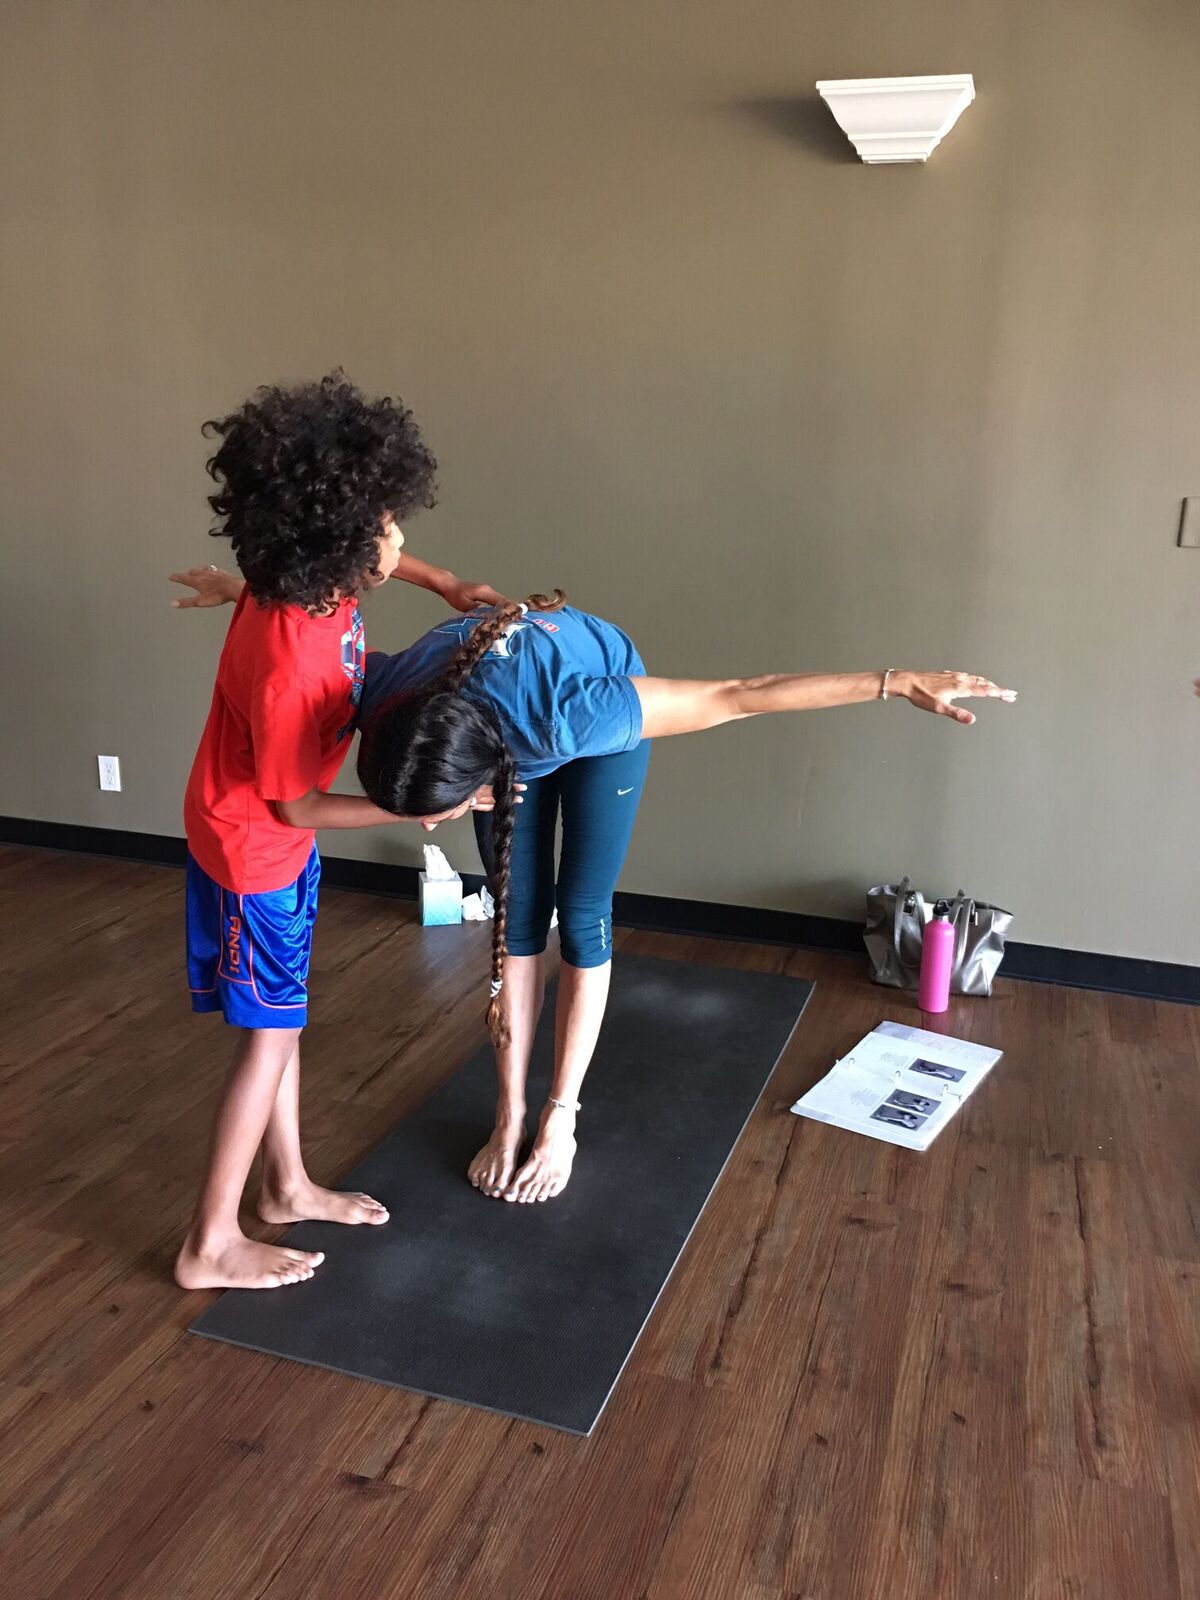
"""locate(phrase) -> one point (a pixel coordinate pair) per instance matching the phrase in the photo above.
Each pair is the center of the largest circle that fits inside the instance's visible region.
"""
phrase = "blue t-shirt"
(557, 680)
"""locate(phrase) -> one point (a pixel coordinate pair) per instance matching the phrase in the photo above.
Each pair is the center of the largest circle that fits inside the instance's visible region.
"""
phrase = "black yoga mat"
(533, 1310)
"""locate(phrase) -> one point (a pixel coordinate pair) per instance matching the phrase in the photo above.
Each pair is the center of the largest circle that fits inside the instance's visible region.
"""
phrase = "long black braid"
(504, 816)
(425, 754)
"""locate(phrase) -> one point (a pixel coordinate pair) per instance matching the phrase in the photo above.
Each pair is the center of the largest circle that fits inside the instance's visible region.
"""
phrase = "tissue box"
(441, 900)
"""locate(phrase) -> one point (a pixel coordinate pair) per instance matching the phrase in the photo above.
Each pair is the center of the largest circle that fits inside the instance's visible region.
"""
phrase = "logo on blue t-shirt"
(560, 686)
(353, 648)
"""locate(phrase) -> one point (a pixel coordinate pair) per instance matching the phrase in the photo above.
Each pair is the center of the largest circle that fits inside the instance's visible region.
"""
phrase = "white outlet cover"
(889, 120)
(109, 768)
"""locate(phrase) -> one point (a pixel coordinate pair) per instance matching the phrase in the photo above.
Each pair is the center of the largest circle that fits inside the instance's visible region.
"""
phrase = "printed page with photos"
(900, 1084)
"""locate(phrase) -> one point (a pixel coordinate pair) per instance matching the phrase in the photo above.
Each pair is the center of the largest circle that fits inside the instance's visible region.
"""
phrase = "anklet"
(567, 1105)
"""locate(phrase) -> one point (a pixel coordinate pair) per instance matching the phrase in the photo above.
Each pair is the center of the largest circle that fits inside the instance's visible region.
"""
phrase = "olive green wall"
(678, 352)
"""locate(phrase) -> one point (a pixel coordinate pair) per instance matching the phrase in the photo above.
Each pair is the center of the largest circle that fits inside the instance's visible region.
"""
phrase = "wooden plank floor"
(874, 1376)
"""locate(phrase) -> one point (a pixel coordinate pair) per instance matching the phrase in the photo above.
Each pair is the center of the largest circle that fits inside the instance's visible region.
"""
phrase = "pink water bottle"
(937, 960)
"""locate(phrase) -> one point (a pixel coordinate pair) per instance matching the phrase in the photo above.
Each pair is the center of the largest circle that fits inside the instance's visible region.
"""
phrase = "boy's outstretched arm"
(460, 593)
(215, 587)
(317, 809)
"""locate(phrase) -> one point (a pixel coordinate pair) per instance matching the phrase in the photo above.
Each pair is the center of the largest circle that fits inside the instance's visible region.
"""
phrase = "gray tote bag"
(896, 918)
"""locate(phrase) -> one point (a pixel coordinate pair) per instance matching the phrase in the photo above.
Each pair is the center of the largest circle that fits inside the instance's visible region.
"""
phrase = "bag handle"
(962, 914)
(902, 894)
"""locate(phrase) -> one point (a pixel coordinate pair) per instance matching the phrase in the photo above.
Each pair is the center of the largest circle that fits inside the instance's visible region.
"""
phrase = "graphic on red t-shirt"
(283, 709)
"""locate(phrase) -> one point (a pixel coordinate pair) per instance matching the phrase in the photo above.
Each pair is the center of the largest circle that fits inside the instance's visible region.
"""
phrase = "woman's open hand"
(213, 587)
(937, 692)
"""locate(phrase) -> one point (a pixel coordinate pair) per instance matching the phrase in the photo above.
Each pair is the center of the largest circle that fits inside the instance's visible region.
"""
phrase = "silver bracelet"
(567, 1105)
(883, 694)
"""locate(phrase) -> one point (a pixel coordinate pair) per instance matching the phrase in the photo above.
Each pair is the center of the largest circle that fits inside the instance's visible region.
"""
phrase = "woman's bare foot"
(492, 1169)
(548, 1168)
(308, 1202)
(240, 1263)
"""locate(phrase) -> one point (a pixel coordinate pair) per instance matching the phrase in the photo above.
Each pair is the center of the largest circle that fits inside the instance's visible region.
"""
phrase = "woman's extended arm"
(680, 705)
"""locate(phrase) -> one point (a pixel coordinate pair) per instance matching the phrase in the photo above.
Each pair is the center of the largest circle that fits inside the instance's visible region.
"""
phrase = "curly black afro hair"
(304, 478)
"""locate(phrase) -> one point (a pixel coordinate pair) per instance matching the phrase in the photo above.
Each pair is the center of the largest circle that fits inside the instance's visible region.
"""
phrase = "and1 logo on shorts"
(247, 954)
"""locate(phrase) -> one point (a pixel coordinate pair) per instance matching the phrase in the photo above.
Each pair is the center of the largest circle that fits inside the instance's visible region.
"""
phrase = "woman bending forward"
(560, 699)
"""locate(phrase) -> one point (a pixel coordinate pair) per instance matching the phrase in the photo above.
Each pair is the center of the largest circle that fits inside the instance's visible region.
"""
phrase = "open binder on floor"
(899, 1084)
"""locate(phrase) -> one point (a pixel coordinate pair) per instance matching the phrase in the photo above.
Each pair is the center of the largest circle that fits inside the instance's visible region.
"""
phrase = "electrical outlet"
(1189, 524)
(110, 771)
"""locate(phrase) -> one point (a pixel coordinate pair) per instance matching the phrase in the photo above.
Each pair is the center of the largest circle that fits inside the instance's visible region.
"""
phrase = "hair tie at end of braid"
(497, 1026)
(497, 985)
(524, 609)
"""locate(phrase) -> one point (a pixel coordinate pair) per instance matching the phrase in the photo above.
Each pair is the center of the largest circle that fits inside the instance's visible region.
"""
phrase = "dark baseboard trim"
(1037, 963)
(163, 849)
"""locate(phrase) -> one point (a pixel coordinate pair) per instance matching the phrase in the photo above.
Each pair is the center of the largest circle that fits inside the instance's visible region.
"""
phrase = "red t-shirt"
(282, 716)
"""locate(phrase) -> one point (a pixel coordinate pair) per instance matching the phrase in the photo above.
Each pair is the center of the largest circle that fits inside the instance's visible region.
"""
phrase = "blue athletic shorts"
(247, 954)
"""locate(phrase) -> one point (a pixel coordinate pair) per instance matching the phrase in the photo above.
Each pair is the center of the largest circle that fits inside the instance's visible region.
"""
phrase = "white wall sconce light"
(897, 119)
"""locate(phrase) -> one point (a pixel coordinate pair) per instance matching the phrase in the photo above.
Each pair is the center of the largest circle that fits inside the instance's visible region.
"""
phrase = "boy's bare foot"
(548, 1168)
(492, 1169)
(241, 1263)
(310, 1203)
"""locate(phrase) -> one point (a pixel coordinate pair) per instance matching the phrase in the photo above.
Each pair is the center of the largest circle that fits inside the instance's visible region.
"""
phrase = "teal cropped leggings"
(598, 798)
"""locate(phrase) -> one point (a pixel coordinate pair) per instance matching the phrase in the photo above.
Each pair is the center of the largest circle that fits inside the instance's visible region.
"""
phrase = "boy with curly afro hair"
(312, 484)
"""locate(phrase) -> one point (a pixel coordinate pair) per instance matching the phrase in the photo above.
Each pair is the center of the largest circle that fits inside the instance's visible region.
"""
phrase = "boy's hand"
(213, 587)
(465, 596)
(482, 800)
